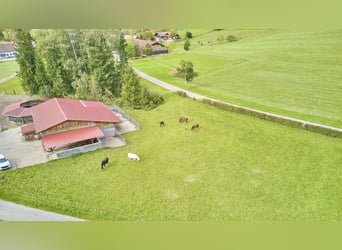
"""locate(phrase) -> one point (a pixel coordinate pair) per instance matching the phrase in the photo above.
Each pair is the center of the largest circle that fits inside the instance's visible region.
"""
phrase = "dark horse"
(104, 162)
(162, 123)
(183, 119)
(195, 126)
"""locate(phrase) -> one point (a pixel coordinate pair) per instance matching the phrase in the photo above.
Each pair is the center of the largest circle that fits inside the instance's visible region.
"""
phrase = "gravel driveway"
(21, 153)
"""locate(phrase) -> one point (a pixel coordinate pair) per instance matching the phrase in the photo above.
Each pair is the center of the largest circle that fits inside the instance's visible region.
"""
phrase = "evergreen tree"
(54, 55)
(131, 90)
(87, 88)
(26, 60)
(122, 50)
(102, 66)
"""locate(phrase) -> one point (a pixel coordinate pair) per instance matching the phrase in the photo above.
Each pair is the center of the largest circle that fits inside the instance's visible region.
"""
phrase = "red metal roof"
(12, 108)
(59, 110)
(19, 112)
(27, 128)
(18, 109)
(71, 136)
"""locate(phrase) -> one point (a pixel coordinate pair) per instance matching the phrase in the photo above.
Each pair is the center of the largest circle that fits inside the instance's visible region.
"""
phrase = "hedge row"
(275, 119)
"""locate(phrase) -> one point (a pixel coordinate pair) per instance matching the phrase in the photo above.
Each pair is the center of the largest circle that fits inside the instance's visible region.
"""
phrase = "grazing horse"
(133, 157)
(195, 126)
(104, 162)
(183, 119)
(162, 123)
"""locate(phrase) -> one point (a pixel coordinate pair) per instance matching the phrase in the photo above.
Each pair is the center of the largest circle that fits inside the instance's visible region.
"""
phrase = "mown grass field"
(292, 73)
(8, 67)
(234, 168)
(12, 87)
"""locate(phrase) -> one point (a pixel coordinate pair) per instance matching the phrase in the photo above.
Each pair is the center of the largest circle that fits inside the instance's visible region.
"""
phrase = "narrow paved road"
(13, 212)
(8, 77)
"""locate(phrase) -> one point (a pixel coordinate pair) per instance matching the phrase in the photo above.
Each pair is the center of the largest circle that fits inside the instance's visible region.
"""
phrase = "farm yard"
(232, 167)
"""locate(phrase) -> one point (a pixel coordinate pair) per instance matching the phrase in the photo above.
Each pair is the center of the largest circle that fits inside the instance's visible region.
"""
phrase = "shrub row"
(323, 130)
(275, 119)
(181, 93)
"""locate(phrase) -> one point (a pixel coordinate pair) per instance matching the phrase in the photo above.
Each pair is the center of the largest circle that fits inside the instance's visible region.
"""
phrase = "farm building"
(61, 122)
(7, 50)
(20, 112)
(157, 47)
(66, 124)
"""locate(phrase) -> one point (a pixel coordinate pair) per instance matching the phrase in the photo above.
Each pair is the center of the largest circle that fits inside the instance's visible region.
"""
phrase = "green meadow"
(291, 73)
(12, 87)
(8, 67)
(234, 168)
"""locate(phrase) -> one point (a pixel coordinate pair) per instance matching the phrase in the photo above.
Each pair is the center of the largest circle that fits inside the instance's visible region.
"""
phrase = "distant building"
(7, 50)
(167, 36)
(157, 47)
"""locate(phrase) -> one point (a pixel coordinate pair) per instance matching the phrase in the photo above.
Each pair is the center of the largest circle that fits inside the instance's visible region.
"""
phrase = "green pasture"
(8, 67)
(12, 87)
(234, 168)
(291, 73)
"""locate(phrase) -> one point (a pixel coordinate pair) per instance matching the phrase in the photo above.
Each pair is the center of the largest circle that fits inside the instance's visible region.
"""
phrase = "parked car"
(4, 163)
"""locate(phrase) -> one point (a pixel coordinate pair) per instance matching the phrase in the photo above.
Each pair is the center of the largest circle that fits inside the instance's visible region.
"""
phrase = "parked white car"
(4, 163)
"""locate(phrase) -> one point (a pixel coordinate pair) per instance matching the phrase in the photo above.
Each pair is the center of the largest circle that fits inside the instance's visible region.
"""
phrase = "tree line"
(79, 64)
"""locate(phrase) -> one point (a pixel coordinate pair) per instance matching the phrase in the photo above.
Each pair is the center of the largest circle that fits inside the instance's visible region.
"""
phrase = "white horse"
(133, 157)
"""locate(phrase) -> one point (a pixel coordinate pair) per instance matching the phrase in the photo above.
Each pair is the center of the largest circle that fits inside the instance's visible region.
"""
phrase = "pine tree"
(102, 66)
(122, 50)
(26, 60)
(131, 90)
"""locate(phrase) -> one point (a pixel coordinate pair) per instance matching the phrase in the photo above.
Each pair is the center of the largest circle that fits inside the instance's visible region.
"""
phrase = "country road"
(10, 211)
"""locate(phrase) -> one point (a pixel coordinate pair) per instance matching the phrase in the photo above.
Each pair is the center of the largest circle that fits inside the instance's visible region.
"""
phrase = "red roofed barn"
(65, 124)
(60, 122)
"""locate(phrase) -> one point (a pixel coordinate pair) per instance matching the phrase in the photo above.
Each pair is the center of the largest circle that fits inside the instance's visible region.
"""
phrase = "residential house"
(157, 47)
(7, 50)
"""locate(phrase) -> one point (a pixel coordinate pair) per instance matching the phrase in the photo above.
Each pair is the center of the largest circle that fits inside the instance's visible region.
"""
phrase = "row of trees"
(79, 63)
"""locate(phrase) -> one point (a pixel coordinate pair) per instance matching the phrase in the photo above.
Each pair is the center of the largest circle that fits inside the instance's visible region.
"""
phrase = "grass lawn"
(12, 87)
(8, 67)
(234, 168)
(296, 74)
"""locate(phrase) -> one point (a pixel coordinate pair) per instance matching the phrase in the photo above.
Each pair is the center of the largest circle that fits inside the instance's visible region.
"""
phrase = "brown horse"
(183, 119)
(195, 126)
